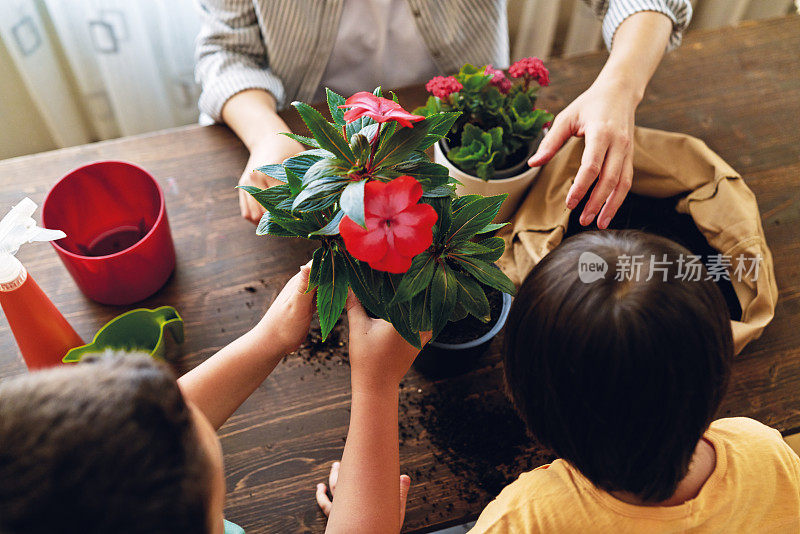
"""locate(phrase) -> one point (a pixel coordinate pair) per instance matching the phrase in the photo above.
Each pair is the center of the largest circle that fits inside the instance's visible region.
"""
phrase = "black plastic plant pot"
(446, 359)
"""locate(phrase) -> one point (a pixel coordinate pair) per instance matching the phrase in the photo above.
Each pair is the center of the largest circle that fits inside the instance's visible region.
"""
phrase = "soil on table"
(658, 216)
(474, 432)
(470, 328)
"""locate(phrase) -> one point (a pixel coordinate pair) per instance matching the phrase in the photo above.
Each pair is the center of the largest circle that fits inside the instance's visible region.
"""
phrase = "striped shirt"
(283, 46)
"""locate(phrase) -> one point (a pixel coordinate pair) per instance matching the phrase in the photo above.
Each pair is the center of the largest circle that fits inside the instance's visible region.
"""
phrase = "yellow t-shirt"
(755, 487)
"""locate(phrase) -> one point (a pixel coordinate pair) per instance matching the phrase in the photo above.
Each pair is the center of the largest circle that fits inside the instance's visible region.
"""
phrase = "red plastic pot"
(118, 246)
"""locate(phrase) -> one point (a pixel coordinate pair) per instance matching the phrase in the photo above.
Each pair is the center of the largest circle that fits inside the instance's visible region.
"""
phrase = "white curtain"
(96, 69)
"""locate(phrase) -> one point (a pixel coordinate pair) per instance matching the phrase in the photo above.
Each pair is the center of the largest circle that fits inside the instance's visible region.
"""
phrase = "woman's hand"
(603, 115)
(273, 148)
(286, 323)
(325, 503)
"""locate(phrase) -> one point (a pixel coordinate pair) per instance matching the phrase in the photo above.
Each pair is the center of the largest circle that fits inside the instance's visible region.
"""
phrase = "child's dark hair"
(620, 378)
(104, 446)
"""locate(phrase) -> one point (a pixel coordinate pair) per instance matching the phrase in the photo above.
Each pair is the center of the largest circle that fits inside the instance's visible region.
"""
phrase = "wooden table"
(738, 89)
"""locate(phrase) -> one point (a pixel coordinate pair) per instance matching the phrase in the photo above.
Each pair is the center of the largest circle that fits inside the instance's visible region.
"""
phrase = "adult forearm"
(367, 492)
(639, 44)
(219, 385)
(252, 115)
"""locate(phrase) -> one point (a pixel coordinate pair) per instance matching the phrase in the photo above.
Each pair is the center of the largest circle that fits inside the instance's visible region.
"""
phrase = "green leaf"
(416, 278)
(400, 315)
(474, 216)
(492, 227)
(263, 224)
(360, 147)
(332, 228)
(421, 310)
(295, 182)
(496, 247)
(441, 123)
(320, 194)
(486, 273)
(325, 167)
(326, 134)
(472, 297)
(468, 248)
(331, 291)
(270, 197)
(439, 191)
(300, 163)
(427, 173)
(444, 292)
(352, 202)
(275, 170)
(366, 284)
(316, 260)
(334, 101)
(308, 141)
(400, 145)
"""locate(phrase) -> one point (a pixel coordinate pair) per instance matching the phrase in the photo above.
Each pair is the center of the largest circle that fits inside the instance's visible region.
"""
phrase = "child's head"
(106, 446)
(620, 378)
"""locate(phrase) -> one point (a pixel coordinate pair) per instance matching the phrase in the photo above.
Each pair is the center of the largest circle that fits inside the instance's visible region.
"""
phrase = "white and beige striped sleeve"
(614, 12)
(231, 55)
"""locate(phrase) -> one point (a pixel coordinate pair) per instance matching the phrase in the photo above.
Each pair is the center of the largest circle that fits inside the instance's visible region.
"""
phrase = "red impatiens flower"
(499, 79)
(443, 86)
(377, 108)
(397, 227)
(530, 68)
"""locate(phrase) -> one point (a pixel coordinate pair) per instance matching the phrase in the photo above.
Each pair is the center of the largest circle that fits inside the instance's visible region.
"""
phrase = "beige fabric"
(665, 164)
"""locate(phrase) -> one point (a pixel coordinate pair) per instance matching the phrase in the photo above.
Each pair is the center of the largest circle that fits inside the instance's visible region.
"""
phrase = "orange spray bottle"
(44, 336)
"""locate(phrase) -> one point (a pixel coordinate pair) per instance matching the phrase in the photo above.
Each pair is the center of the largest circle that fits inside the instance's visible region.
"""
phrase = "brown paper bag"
(665, 164)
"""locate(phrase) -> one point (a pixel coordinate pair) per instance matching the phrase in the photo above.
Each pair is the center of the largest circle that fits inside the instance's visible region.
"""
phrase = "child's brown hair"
(619, 377)
(104, 446)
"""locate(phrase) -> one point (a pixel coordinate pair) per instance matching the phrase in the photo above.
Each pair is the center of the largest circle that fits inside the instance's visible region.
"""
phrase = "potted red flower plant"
(388, 222)
(499, 128)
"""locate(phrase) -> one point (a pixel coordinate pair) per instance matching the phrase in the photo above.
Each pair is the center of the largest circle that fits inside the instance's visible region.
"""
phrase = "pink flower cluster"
(530, 68)
(443, 86)
(499, 79)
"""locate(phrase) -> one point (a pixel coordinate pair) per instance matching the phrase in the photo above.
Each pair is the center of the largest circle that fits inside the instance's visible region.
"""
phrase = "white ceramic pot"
(516, 186)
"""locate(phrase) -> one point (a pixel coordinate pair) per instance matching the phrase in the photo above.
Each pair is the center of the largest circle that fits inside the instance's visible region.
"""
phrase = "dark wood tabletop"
(738, 89)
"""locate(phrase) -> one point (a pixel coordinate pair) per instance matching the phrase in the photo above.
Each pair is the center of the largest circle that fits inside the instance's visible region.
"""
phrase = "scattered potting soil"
(470, 328)
(474, 431)
(324, 355)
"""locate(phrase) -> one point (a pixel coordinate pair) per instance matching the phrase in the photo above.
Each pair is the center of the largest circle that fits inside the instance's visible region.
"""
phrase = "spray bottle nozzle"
(16, 229)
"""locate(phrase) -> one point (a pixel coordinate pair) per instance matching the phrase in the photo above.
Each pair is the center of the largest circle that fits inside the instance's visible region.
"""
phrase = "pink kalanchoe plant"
(499, 120)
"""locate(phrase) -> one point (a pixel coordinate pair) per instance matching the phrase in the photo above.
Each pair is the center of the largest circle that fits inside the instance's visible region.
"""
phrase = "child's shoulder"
(744, 430)
(515, 509)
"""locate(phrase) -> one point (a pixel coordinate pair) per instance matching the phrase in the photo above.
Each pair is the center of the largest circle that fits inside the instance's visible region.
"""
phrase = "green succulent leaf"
(352, 202)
